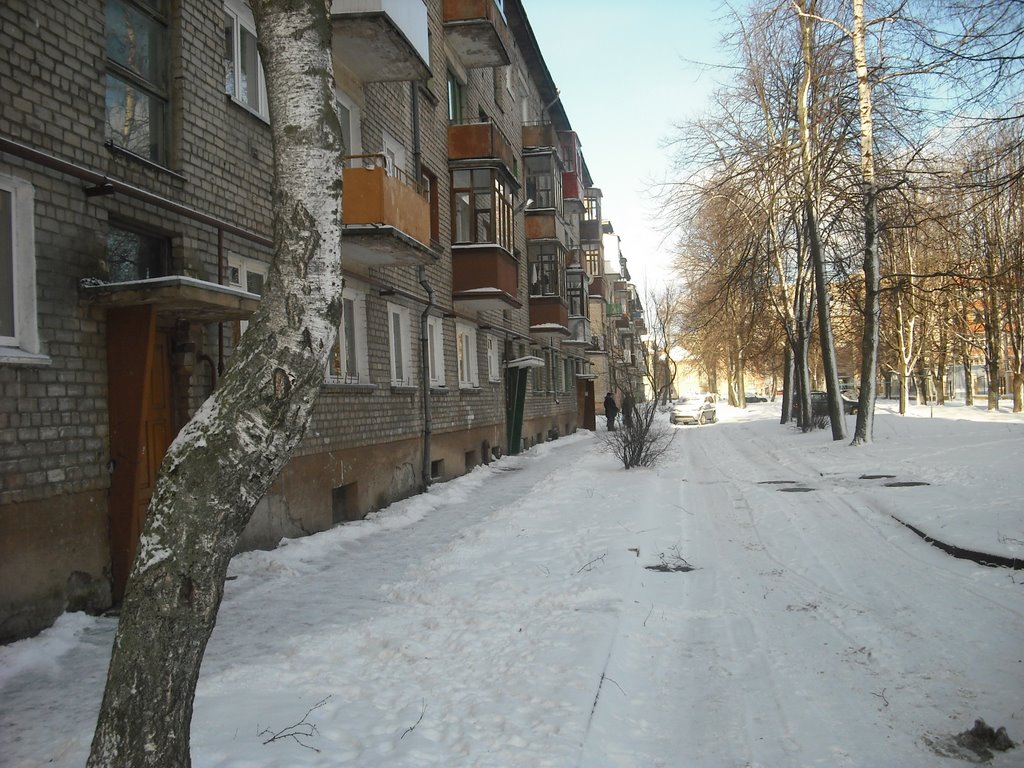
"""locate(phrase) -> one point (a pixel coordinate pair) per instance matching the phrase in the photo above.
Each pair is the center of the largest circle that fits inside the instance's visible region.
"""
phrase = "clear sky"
(624, 83)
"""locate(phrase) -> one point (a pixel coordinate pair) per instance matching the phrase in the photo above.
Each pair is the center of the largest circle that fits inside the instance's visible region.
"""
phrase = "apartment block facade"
(135, 233)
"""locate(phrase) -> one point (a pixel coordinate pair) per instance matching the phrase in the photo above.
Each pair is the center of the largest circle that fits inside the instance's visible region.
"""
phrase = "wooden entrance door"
(141, 429)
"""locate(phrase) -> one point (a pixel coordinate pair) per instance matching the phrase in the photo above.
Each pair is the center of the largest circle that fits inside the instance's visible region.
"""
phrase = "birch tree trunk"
(227, 456)
(862, 433)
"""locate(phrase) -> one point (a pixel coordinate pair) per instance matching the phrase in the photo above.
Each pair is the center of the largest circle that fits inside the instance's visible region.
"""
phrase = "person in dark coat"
(611, 410)
(628, 404)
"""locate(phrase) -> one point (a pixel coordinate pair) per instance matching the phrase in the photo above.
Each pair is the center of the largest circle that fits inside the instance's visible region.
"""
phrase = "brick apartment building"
(135, 230)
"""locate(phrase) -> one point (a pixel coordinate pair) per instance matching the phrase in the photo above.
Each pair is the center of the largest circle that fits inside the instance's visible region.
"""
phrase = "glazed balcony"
(477, 32)
(385, 217)
(549, 316)
(484, 277)
(479, 141)
(380, 40)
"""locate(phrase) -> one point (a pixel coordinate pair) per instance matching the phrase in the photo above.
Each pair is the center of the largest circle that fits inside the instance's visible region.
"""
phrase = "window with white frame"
(18, 328)
(349, 363)
(247, 274)
(243, 71)
(394, 155)
(349, 116)
(435, 351)
(570, 374)
(493, 359)
(401, 346)
(465, 335)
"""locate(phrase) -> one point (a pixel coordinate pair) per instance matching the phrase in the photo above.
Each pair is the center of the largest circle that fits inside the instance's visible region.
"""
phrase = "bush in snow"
(643, 441)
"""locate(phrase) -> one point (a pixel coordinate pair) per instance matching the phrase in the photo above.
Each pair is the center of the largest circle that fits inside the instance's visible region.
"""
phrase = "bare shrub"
(643, 442)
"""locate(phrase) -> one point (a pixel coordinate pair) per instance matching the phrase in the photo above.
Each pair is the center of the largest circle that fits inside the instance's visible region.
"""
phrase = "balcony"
(546, 224)
(380, 40)
(484, 277)
(597, 288)
(385, 217)
(477, 32)
(579, 332)
(480, 141)
(539, 135)
(548, 316)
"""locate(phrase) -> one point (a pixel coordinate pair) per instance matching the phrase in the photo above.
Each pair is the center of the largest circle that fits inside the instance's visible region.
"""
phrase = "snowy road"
(510, 618)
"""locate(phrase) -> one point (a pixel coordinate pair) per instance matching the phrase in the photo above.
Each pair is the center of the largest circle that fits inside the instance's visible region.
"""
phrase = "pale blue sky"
(619, 66)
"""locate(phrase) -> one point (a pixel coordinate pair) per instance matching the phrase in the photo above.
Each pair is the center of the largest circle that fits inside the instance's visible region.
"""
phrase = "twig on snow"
(412, 727)
(881, 696)
(299, 730)
(590, 566)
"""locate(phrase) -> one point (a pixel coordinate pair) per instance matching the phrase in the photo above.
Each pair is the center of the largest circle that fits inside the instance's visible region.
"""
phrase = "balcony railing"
(385, 215)
(579, 331)
(381, 40)
(479, 140)
(477, 31)
(539, 134)
(484, 277)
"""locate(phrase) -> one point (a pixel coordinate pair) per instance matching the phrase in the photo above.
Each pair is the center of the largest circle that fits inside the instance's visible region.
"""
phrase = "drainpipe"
(425, 374)
(417, 153)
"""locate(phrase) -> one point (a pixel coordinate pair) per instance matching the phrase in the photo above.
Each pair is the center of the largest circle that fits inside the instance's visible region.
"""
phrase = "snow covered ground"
(510, 618)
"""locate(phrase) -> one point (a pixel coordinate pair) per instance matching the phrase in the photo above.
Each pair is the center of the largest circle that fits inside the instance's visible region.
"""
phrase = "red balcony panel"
(484, 277)
(479, 141)
(549, 315)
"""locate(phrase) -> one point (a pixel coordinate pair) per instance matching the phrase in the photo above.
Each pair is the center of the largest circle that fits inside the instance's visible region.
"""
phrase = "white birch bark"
(225, 458)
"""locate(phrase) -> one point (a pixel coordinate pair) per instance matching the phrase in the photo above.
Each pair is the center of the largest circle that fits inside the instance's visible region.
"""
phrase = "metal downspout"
(425, 375)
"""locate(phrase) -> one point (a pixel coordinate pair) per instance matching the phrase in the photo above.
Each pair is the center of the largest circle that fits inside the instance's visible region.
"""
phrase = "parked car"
(819, 404)
(750, 397)
(695, 409)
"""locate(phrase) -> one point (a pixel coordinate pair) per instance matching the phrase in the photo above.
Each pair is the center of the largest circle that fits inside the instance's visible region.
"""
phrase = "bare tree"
(227, 456)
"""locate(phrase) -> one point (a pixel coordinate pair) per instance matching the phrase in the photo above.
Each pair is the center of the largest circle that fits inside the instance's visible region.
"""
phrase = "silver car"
(695, 409)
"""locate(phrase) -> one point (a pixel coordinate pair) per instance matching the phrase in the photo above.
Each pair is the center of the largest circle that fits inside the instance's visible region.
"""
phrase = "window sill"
(439, 388)
(242, 105)
(404, 389)
(145, 161)
(342, 386)
(466, 389)
(16, 356)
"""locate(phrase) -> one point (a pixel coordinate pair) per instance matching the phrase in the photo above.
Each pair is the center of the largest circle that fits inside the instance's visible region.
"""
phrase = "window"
(349, 116)
(401, 347)
(137, 99)
(547, 267)
(429, 182)
(435, 351)
(243, 72)
(455, 99)
(493, 359)
(465, 335)
(544, 181)
(570, 374)
(135, 255)
(576, 288)
(349, 363)
(18, 328)
(247, 274)
(592, 207)
(593, 261)
(482, 203)
(394, 155)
